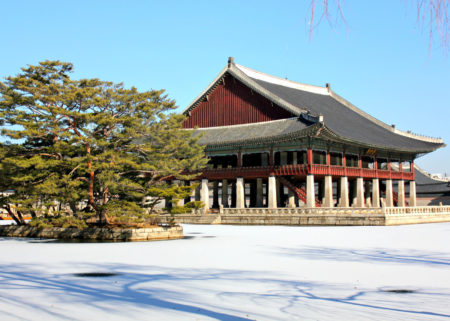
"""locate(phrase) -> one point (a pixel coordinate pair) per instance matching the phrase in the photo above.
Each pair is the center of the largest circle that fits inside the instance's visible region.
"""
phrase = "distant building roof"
(429, 185)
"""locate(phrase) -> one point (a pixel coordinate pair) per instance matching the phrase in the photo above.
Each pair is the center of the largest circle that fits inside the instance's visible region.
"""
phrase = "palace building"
(273, 143)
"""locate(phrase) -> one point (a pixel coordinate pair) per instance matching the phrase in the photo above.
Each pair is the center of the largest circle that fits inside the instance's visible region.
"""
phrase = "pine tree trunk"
(91, 178)
(19, 214)
(12, 215)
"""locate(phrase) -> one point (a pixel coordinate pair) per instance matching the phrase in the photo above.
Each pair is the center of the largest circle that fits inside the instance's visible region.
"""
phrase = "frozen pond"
(234, 273)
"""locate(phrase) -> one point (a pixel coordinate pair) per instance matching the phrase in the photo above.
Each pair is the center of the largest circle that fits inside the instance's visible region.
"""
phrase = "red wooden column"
(400, 168)
(344, 163)
(360, 166)
(239, 162)
(389, 167)
(271, 162)
(310, 160)
(328, 162)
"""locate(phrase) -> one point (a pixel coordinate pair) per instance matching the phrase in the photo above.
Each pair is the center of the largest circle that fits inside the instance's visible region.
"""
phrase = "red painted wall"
(233, 103)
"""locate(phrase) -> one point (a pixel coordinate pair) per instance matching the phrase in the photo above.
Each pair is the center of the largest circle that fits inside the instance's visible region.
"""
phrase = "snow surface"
(234, 273)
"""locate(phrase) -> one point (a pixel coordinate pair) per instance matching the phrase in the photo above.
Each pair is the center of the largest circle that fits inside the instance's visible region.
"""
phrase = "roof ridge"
(249, 81)
(243, 125)
(255, 74)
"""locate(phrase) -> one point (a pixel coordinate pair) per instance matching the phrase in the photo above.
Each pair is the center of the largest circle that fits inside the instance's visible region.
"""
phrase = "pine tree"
(91, 140)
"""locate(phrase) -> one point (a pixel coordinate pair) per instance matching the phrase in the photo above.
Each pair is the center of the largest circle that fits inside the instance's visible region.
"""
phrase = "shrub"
(40, 222)
(179, 210)
(196, 205)
(58, 221)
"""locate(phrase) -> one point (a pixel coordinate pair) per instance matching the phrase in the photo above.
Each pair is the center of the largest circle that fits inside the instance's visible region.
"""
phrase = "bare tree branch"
(430, 14)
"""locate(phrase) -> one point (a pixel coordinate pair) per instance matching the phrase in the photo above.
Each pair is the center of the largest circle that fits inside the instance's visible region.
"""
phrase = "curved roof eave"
(378, 147)
(318, 129)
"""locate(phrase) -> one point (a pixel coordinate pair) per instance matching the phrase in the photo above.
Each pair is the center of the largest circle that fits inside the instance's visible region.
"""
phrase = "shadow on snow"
(365, 255)
(145, 287)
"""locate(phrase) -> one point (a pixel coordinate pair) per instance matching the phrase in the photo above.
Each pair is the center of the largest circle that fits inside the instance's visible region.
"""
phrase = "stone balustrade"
(302, 211)
(443, 210)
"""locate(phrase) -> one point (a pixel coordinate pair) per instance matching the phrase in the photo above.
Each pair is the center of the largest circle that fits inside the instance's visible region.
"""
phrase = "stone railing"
(337, 210)
(417, 210)
(302, 211)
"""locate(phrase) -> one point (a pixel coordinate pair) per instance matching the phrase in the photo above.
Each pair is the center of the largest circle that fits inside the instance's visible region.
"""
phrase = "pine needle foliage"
(89, 141)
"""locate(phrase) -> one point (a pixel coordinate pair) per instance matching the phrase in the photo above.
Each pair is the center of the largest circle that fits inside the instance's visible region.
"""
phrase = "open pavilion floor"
(221, 272)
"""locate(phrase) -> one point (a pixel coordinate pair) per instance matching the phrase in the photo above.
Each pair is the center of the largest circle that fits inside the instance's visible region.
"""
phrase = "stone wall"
(104, 234)
(311, 219)
(192, 218)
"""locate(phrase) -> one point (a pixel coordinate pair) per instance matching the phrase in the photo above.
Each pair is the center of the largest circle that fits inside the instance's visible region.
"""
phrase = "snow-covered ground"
(234, 273)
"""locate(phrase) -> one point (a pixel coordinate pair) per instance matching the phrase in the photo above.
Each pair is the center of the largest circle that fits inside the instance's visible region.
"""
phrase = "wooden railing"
(302, 170)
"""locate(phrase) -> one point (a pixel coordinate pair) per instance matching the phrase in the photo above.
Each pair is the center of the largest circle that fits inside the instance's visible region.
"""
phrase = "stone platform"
(101, 234)
(321, 216)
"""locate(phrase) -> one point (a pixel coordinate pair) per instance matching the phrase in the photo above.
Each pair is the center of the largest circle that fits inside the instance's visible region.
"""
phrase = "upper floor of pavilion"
(244, 108)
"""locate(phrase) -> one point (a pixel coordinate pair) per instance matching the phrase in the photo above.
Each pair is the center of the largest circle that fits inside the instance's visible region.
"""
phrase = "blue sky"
(380, 61)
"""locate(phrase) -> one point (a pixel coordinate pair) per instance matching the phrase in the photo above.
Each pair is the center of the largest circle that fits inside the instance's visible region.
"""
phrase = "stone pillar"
(328, 197)
(412, 193)
(204, 193)
(367, 193)
(343, 199)
(259, 192)
(310, 192)
(240, 193)
(179, 202)
(375, 192)
(389, 197)
(291, 199)
(215, 195)
(225, 193)
(272, 192)
(401, 193)
(359, 192)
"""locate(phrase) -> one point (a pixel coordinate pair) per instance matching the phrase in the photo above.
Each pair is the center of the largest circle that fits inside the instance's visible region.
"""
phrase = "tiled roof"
(426, 184)
(254, 131)
(346, 122)
(338, 115)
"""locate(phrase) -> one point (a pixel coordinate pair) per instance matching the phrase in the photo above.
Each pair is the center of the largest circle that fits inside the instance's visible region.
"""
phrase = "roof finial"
(230, 61)
(328, 86)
